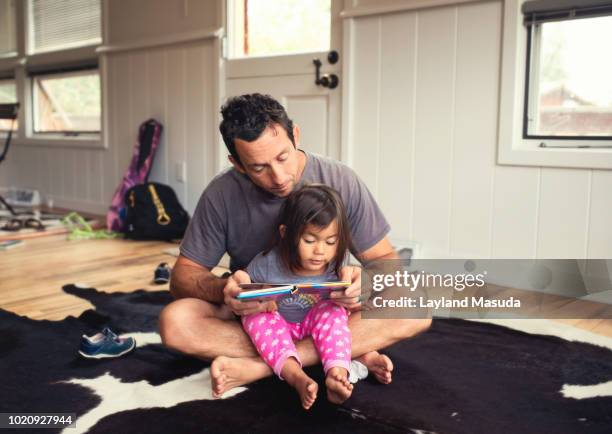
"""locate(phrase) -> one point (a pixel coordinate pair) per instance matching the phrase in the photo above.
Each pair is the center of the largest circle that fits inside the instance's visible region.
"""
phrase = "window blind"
(57, 24)
(542, 11)
(7, 26)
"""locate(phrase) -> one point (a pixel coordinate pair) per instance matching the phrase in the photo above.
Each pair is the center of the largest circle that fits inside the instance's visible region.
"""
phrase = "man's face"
(271, 161)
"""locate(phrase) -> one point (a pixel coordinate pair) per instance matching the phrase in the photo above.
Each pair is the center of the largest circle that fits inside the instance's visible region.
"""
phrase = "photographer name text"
(445, 303)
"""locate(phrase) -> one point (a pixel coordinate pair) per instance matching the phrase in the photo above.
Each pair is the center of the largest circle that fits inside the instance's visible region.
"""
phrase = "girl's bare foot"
(378, 364)
(338, 387)
(306, 387)
(227, 373)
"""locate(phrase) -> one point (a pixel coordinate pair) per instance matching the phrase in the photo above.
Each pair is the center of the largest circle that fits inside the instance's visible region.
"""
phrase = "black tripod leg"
(10, 208)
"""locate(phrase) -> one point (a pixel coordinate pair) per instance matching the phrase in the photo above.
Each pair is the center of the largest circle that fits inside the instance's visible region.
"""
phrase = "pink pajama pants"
(273, 336)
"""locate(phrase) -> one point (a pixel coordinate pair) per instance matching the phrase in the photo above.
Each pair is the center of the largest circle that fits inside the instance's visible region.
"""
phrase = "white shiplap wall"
(421, 119)
(174, 84)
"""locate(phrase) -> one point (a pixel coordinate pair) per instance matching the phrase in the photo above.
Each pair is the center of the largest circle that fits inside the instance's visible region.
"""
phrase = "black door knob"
(329, 80)
(326, 80)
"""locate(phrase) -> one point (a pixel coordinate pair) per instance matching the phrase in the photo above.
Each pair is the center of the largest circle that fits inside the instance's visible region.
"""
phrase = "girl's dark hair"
(318, 205)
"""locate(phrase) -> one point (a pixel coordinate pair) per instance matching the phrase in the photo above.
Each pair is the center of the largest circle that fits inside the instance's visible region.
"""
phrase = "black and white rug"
(459, 377)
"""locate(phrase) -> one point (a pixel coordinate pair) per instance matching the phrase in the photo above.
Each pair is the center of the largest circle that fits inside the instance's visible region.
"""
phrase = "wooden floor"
(32, 275)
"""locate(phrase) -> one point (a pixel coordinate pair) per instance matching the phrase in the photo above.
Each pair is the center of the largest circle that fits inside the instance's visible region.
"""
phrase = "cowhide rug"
(459, 377)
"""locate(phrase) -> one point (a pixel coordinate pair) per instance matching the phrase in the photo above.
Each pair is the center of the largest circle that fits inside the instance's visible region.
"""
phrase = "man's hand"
(241, 308)
(350, 297)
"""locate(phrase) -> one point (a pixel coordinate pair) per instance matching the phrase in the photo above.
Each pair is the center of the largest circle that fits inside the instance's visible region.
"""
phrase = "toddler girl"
(311, 247)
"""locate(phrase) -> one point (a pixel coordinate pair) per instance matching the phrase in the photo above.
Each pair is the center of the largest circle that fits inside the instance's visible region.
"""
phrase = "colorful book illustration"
(262, 290)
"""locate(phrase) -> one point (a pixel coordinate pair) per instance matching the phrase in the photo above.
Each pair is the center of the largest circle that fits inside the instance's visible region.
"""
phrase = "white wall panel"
(54, 181)
(110, 156)
(434, 129)
(365, 95)
(515, 207)
(435, 74)
(175, 125)
(139, 96)
(11, 165)
(62, 171)
(94, 178)
(563, 213)
(157, 97)
(476, 89)
(46, 175)
(125, 125)
(80, 174)
(199, 120)
(396, 135)
(312, 114)
(600, 215)
(68, 169)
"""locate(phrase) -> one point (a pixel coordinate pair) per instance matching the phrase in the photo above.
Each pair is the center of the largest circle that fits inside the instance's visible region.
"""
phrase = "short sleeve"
(204, 240)
(367, 222)
(257, 269)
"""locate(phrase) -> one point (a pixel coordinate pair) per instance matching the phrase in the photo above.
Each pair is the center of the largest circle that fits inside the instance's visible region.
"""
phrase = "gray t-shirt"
(238, 217)
(268, 268)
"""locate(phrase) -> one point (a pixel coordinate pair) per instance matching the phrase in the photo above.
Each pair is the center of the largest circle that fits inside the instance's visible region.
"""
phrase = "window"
(54, 73)
(569, 91)
(8, 45)
(272, 27)
(8, 94)
(67, 102)
(61, 24)
(556, 95)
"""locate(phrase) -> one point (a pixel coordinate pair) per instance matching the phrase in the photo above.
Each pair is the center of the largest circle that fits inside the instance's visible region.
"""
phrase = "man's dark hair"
(318, 205)
(245, 117)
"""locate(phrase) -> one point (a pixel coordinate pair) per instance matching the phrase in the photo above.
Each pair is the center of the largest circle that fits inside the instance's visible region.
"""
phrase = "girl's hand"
(241, 308)
(350, 297)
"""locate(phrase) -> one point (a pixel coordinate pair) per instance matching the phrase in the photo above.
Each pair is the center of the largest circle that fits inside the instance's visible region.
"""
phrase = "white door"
(290, 78)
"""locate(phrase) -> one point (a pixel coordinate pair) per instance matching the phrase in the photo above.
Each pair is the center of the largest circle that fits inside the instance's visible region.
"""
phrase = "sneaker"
(105, 345)
(162, 273)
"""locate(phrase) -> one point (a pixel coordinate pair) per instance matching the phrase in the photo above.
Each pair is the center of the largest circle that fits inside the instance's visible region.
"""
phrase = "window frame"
(60, 74)
(514, 148)
(23, 62)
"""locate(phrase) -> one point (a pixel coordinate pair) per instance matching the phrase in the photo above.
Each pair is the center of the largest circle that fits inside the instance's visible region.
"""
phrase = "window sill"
(55, 140)
(512, 148)
(528, 153)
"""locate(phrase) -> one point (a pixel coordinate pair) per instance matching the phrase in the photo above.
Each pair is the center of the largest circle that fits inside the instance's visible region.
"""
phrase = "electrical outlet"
(181, 171)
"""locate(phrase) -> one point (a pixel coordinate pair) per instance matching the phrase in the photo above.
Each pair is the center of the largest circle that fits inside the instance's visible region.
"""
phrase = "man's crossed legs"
(212, 333)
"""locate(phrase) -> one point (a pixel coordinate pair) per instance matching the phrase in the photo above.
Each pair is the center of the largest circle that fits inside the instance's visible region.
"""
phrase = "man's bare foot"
(227, 373)
(338, 387)
(379, 365)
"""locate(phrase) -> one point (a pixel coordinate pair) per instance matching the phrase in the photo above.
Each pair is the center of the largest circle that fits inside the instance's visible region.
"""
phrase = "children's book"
(263, 290)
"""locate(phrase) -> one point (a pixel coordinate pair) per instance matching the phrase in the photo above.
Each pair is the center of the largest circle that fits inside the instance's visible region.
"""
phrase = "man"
(237, 214)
